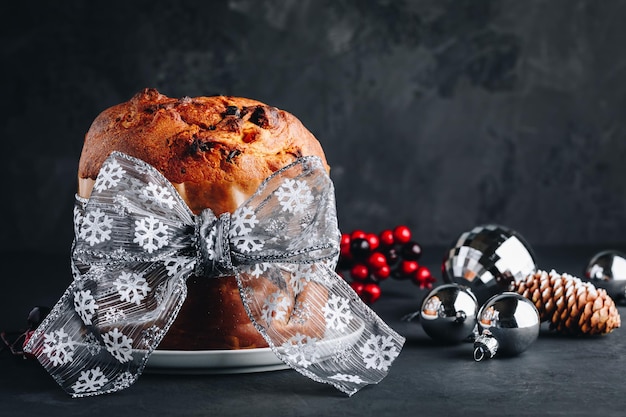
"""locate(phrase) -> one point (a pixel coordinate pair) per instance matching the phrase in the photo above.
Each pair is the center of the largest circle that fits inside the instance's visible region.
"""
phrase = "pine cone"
(572, 307)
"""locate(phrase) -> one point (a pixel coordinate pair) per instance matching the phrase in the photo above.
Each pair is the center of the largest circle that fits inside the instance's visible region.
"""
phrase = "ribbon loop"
(137, 243)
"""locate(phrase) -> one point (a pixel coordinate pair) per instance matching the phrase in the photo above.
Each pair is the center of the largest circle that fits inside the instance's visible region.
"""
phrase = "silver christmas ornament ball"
(488, 259)
(607, 269)
(448, 313)
(508, 323)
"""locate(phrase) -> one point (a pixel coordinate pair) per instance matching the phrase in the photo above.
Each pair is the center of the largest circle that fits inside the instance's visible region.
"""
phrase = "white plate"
(235, 361)
(214, 361)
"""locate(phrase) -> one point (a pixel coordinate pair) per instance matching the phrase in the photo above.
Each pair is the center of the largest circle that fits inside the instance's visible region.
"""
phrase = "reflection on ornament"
(431, 307)
(508, 324)
(607, 269)
(487, 260)
(489, 317)
(448, 313)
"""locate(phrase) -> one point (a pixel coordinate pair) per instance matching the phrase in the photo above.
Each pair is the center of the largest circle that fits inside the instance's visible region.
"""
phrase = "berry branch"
(367, 259)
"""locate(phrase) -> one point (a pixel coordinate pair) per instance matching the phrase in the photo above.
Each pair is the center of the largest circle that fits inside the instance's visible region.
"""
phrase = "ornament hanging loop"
(485, 346)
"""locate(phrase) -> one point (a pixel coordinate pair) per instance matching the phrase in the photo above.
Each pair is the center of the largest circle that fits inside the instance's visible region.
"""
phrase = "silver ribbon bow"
(137, 242)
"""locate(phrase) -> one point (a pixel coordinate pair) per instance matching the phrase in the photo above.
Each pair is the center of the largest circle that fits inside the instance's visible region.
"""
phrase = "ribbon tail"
(318, 325)
(99, 335)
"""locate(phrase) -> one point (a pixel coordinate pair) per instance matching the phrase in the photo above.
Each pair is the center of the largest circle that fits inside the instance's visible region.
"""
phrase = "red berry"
(373, 241)
(383, 272)
(357, 287)
(371, 293)
(386, 238)
(345, 252)
(376, 260)
(423, 277)
(359, 272)
(402, 234)
(345, 240)
(358, 234)
(408, 268)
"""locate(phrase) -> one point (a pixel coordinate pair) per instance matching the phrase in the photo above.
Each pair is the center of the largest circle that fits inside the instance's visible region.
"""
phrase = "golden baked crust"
(216, 151)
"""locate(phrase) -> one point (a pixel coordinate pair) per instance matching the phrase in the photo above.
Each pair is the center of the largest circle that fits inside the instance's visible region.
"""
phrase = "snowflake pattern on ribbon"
(85, 305)
(109, 176)
(96, 227)
(157, 196)
(131, 287)
(275, 307)
(89, 381)
(337, 313)
(151, 234)
(294, 196)
(119, 345)
(137, 242)
(379, 352)
(92, 344)
(299, 276)
(59, 347)
(302, 350)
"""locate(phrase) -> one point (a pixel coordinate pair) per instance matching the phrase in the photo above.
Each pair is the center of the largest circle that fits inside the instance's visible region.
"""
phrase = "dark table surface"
(556, 376)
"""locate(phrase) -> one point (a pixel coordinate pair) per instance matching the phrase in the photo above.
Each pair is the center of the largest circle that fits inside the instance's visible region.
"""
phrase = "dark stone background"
(437, 114)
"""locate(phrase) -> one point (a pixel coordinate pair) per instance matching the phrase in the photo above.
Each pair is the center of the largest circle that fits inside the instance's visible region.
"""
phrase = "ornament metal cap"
(485, 346)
